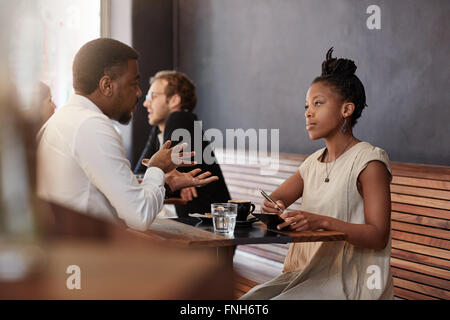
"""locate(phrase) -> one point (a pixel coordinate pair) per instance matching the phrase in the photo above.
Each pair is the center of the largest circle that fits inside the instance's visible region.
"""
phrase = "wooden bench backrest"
(420, 257)
(420, 195)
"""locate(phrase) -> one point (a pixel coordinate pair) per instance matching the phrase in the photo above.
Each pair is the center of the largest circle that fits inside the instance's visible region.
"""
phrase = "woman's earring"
(344, 126)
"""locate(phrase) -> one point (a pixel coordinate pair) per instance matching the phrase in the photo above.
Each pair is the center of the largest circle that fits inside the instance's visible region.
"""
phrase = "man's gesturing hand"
(188, 193)
(167, 159)
(178, 180)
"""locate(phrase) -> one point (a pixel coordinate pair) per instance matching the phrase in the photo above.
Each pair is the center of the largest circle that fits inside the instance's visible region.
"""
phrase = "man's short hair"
(96, 59)
(178, 83)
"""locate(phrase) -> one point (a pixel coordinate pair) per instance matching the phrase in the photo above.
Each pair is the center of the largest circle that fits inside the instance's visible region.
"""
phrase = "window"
(45, 36)
(66, 26)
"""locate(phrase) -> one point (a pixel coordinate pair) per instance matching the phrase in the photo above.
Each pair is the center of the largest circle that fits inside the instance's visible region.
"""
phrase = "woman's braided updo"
(340, 73)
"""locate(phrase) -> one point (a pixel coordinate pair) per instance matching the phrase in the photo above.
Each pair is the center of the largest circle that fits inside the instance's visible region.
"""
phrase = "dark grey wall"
(253, 60)
(153, 38)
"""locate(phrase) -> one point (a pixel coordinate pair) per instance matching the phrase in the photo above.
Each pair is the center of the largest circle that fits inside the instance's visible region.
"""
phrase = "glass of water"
(224, 217)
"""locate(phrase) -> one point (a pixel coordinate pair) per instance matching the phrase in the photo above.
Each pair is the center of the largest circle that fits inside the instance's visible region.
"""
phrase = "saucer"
(246, 223)
(205, 218)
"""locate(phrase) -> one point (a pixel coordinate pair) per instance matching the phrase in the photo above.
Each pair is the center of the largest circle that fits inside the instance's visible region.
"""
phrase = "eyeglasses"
(151, 95)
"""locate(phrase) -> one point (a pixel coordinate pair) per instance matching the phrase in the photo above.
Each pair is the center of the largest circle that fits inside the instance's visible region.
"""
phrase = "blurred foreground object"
(115, 263)
(20, 253)
(43, 105)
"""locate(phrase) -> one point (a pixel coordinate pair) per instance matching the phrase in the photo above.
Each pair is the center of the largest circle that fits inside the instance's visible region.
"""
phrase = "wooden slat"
(291, 157)
(429, 212)
(264, 163)
(250, 186)
(428, 241)
(421, 278)
(242, 285)
(421, 192)
(420, 171)
(420, 268)
(240, 194)
(410, 295)
(420, 258)
(240, 290)
(255, 170)
(399, 168)
(245, 196)
(428, 231)
(284, 158)
(434, 252)
(421, 288)
(244, 190)
(244, 176)
(425, 202)
(420, 197)
(425, 183)
(247, 191)
(267, 251)
(251, 170)
(265, 254)
(277, 248)
(426, 221)
(238, 294)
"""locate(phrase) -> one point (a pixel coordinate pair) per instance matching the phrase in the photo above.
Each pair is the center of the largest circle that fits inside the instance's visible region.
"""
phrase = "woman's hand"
(296, 220)
(271, 208)
(302, 221)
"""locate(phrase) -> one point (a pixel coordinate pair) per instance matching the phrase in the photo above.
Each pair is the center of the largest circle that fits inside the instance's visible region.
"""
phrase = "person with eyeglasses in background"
(170, 102)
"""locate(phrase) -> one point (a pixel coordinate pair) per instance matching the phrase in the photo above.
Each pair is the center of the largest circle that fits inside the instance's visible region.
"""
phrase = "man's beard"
(125, 118)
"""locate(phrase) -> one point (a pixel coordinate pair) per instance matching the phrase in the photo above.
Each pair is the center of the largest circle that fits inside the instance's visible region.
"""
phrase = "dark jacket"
(214, 192)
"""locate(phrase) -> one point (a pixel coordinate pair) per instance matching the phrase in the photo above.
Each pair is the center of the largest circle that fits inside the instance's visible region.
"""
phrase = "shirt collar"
(84, 102)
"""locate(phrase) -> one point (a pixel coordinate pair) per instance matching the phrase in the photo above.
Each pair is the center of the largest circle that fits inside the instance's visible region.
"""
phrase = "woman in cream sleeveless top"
(343, 187)
(336, 269)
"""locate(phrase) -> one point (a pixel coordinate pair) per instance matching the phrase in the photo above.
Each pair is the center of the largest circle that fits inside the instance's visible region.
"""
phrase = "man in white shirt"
(81, 157)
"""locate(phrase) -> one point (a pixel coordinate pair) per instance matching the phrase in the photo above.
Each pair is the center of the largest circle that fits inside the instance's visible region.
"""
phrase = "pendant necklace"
(327, 179)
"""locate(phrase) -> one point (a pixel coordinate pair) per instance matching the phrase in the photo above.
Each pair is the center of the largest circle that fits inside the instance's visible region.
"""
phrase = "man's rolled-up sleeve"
(100, 152)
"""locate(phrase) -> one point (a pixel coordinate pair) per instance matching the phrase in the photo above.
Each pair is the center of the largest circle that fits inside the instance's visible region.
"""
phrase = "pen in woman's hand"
(277, 207)
(268, 198)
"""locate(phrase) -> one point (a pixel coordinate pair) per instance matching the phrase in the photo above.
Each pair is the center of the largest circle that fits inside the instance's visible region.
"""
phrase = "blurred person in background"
(170, 102)
(44, 102)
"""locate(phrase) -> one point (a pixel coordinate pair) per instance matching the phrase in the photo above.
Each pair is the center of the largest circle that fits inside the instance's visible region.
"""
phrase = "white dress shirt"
(82, 165)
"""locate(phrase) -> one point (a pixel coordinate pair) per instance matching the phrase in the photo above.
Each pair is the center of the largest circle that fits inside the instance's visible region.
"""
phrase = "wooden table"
(193, 233)
(117, 264)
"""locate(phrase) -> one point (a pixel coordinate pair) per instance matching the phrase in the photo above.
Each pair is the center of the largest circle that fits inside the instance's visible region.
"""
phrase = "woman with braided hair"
(344, 187)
